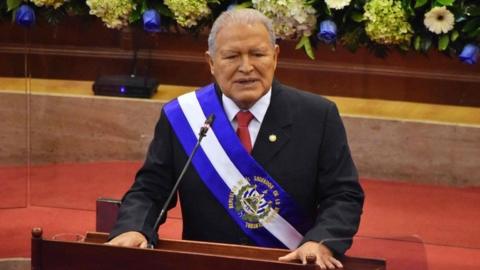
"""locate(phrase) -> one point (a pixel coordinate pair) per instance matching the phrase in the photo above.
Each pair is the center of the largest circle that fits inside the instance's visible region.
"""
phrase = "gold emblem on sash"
(254, 201)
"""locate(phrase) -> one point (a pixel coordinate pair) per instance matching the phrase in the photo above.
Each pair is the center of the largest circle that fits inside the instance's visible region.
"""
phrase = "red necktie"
(243, 119)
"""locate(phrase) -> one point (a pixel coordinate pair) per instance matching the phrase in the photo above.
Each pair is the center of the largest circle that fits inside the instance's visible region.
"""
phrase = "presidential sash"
(263, 210)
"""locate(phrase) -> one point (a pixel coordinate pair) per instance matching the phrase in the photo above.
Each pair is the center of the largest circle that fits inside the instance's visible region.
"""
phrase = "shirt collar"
(259, 109)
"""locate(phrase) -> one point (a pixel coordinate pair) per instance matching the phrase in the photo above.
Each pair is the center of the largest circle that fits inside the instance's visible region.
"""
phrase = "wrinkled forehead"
(242, 25)
(242, 16)
(238, 31)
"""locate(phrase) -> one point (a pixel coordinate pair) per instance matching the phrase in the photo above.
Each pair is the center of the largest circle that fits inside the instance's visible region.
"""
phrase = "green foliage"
(399, 25)
(386, 22)
(455, 34)
(443, 42)
(444, 2)
(53, 16)
(307, 46)
(420, 3)
(13, 4)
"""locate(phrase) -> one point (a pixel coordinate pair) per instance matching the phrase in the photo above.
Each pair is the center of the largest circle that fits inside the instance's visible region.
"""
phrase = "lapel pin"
(272, 138)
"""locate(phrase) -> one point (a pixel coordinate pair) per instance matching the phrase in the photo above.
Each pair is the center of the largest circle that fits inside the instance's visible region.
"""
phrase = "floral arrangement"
(291, 18)
(114, 13)
(387, 23)
(188, 13)
(449, 26)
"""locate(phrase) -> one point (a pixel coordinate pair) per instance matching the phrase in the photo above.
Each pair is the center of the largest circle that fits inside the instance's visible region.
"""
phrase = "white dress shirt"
(259, 109)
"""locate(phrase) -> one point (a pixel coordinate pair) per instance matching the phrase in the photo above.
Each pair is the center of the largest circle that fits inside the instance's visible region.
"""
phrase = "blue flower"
(469, 54)
(151, 21)
(327, 32)
(25, 16)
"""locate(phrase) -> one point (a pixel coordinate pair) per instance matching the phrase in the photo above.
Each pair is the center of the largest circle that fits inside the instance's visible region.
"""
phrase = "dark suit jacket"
(311, 160)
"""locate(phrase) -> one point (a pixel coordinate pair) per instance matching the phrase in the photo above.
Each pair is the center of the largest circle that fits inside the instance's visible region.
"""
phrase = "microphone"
(206, 126)
(203, 132)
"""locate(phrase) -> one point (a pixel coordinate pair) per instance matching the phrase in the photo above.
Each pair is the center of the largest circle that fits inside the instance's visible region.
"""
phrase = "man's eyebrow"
(260, 49)
(229, 51)
(234, 51)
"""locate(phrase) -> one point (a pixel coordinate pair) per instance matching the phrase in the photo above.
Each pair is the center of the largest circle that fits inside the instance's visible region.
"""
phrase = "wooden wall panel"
(84, 49)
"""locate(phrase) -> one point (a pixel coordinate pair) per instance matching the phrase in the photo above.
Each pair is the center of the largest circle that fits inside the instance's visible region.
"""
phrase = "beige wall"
(65, 129)
(420, 151)
(13, 129)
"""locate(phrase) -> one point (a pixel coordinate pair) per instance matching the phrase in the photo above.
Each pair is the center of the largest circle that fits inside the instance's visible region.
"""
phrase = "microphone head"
(208, 123)
(210, 119)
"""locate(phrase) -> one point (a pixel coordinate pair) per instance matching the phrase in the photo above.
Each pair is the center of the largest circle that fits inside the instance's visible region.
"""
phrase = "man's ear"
(209, 60)
(276, 53)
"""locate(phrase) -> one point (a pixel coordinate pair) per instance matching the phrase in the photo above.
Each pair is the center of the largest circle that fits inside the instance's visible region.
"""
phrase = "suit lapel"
(275, 130)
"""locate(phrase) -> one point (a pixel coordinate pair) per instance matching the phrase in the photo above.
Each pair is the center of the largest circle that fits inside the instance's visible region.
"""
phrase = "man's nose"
(246, 64)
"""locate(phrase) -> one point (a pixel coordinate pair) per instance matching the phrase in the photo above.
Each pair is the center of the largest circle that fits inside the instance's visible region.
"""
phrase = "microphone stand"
(203, 132)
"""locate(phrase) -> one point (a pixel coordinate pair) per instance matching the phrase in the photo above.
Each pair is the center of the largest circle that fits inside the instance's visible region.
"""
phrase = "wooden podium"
(92, 254)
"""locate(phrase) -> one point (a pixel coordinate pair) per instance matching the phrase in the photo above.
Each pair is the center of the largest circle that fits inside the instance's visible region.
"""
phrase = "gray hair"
(241, 15)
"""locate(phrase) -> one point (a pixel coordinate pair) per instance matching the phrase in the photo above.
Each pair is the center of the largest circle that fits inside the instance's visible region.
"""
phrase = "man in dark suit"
(297, 138)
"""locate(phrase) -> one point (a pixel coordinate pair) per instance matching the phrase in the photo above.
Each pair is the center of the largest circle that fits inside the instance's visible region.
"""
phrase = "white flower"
(49, 3)
(337, 4)
(114, 13)
(291, 18)
(439, 20)
(188, 12)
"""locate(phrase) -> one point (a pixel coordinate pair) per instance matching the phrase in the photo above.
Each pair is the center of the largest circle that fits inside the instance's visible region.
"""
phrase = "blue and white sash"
(263, 210)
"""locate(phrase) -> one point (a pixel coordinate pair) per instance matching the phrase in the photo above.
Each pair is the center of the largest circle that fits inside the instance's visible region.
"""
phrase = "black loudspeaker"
(125, 86)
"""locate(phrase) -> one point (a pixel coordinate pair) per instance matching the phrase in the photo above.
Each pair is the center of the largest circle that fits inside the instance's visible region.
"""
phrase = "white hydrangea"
(291, 18)
(49, 3)
(337, 4)
(114, 13)
(188, 12)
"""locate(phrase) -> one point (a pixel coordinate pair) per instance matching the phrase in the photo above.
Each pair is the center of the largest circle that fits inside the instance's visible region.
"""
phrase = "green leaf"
(144, 7)
(13, 4)
(417, 42)
(307, 46)
(136, 14)
(472, 10)
(471, 25)
(309, 50)
(299, 44)
(407, 6)
(443, 42)
(454, 35)
(14, 15)
(404, 47)
(426, 43)
(164, 10)
(357, 16)
(445, 2)
(327, 10)
(244, 5)
(420, 3)
(474, 34)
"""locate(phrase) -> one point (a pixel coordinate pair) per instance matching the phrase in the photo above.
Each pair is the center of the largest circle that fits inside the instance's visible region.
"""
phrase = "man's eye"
(229, 56)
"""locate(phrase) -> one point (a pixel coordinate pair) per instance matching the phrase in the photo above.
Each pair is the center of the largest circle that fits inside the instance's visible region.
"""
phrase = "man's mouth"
(246, 81)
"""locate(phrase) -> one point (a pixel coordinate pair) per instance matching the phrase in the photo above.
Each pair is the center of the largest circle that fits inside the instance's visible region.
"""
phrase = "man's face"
(244, 62)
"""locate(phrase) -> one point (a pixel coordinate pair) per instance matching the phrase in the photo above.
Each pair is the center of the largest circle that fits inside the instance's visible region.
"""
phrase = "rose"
(151, 21)
(327, 32)
(25, 16)
(469, 54)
